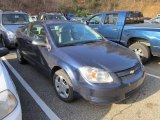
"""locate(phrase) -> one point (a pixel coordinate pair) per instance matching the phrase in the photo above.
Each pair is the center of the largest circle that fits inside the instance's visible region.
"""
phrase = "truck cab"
(128, 28)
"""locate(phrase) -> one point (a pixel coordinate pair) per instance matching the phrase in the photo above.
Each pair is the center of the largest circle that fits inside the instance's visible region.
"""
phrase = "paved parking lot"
(144, 105)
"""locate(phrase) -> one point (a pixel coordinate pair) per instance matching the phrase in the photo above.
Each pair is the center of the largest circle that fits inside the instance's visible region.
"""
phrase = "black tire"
(144, 54)
(20, 58)
(69, 91)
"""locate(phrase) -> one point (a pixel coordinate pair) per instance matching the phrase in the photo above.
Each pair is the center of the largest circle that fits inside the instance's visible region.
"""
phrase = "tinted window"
(111, 19)
(72, 34)
(96, 19)
(14, 19)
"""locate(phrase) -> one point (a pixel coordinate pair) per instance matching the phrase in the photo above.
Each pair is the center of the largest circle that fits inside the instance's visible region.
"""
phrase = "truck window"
(111, 19)
(96, 19)
(134, 18)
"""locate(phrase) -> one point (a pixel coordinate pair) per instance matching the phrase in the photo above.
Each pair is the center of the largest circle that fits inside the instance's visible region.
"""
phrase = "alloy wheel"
(62, 87)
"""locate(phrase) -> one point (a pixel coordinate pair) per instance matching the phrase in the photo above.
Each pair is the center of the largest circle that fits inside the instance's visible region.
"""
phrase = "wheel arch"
(67, 70)
(138, 39)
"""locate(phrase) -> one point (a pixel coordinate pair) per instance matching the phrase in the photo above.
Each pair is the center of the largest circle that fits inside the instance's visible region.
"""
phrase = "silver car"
(10, 108)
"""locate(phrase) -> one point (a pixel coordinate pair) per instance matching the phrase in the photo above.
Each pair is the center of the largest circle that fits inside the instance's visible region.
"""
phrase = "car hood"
(105, 55)
(12, 28)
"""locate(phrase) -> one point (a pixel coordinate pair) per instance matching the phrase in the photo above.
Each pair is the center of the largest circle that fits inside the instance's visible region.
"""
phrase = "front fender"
(72, 73)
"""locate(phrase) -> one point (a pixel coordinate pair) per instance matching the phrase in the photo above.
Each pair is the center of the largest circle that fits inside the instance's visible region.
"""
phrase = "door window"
(37, 32)
(96, 19)
(111, 19)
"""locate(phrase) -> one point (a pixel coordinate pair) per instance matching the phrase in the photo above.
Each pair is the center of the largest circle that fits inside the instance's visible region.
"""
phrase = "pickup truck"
(127, 28)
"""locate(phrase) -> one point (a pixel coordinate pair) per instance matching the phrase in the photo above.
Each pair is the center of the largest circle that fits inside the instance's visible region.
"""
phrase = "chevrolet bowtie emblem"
(132, 71)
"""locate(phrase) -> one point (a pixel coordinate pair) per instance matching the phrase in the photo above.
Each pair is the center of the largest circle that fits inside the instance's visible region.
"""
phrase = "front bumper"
(111, 93)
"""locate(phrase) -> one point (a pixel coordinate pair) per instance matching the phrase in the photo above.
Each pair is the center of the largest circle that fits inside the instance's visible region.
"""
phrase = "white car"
(10, 108)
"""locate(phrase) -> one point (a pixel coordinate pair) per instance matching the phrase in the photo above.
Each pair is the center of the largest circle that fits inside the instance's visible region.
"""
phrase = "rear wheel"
(20, 58)
(63, 86)
(142, 51)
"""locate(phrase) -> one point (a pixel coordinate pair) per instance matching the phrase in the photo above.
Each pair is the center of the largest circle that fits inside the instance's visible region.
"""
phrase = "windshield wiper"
(80, 43)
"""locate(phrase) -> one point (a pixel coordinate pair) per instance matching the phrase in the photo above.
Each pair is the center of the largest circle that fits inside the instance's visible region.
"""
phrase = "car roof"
(103, 12)
(12, 12)
(54, 22)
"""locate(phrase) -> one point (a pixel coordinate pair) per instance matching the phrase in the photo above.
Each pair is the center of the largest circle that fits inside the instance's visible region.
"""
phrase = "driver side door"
(39, 54)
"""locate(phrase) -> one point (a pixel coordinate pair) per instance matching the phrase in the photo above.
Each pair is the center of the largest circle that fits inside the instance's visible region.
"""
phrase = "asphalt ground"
(144, 105)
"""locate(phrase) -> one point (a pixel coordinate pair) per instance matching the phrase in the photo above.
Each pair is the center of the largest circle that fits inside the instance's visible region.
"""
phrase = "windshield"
(9, 19)
(67, 34)
(56, 17)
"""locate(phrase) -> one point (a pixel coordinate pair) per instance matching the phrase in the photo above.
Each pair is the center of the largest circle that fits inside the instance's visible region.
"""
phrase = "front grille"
(128, 73)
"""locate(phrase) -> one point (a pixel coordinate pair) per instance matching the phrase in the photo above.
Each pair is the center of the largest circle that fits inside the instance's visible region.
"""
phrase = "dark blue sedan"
(80, 61)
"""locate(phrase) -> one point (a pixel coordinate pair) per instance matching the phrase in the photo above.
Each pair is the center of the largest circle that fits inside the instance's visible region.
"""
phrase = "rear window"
(134, 18)
(9, 19)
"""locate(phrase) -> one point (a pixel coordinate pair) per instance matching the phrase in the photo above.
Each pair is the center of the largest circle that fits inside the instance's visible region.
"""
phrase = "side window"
(37, 32)
(96, 19)
(111, 19)
(24, 30)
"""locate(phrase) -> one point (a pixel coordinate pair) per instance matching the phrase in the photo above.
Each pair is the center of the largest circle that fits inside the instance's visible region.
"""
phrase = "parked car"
(69, 16)
(119, 27)
(10, 108)
(9, 23)
(79, 19)
(76, 19)
(155, 20)
(32, 18)
(80, 61)
(51, 16)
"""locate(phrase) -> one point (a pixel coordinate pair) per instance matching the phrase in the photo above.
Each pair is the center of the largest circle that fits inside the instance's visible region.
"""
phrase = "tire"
(20, 58)
(142, 50)
(63, 87)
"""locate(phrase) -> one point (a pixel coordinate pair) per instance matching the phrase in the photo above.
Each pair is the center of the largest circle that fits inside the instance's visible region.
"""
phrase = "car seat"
(65, 34)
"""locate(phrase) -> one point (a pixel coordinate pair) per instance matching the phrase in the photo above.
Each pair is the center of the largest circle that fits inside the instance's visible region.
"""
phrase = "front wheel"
(142, 51)
(62, 86)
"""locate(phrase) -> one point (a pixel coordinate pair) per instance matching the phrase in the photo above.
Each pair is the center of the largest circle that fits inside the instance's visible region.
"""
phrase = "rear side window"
(134, 18)
(111, 19)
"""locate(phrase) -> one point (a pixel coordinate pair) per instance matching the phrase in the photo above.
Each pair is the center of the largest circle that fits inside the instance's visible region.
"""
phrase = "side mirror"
(39, 43)
(3, 51)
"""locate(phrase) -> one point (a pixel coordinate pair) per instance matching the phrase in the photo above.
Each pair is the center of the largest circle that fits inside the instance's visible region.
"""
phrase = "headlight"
(95, 75)
(8, 103)
(10, 34)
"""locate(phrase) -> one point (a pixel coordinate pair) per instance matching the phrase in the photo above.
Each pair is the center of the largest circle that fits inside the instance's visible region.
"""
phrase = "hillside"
(150, 8)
